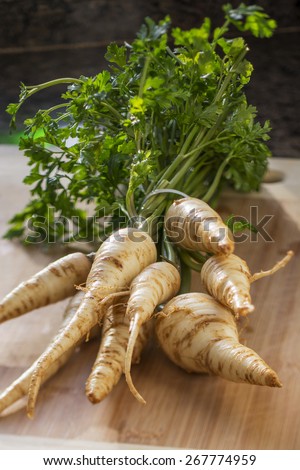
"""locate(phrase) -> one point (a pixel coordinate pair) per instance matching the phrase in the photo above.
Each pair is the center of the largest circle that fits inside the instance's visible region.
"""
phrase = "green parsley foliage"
(169, 113)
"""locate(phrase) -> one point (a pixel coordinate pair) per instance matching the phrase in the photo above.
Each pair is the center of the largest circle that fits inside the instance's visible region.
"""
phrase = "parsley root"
(200, 335)
(109, 364)
(156, 284)
(53, 283)
(117, 262)
(194, 225)
(19, 387)
(228, 279)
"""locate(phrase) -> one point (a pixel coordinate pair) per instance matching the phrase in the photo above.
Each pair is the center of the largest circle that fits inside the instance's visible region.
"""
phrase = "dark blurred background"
(45, 39)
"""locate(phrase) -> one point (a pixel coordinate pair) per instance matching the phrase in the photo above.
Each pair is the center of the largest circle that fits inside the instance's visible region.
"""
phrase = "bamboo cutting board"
(183, 410)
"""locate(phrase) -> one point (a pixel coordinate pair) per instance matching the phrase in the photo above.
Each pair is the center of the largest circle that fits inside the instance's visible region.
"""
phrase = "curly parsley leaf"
(169, 113)
(250, 18)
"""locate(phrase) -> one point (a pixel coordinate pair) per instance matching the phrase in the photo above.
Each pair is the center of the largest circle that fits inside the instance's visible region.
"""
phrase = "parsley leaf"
(170, 112)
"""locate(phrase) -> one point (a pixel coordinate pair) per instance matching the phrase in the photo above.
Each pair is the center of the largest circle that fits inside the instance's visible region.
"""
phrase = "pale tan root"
(200, 335)
(119, 259)
(240, 364)
(114, 299)
(135, 326)
(19, 387)
(109, 365)
(279, 265)
(194, 225)
(227, 279)
(55, 282)
(155, 285)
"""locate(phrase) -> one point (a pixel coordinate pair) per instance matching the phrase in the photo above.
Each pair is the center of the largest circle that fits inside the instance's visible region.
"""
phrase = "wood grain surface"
(183, 410)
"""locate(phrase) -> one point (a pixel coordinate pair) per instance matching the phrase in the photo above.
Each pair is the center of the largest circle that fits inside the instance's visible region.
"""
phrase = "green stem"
(178, 160)
(168, 191)
(190, 262)
(190, 162)
(196, 188)
(30, 90)
(130, 204)
(150, 206)
(171, 53)
(150, 222)
(186, 278)
(193, 154)
(214, 186)
(112, 109)
(228, 77)
(138, 134)
(62, 117)
(199, 258)
(54, 108)
(192, 177)
(168, 251)
(144, 76)
(59, 81)
(202, 146)
(129, 196)
(178, 178)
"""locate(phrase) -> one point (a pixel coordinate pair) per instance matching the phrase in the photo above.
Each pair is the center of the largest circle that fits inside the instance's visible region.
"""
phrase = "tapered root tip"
(96, 394)
(244, 310)
(225, 247)
(30, 414)
(272, 380)
(134, 331)
(34, 387)
(132, 388)
(279, 265)
(267, 377)
(95, 398)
